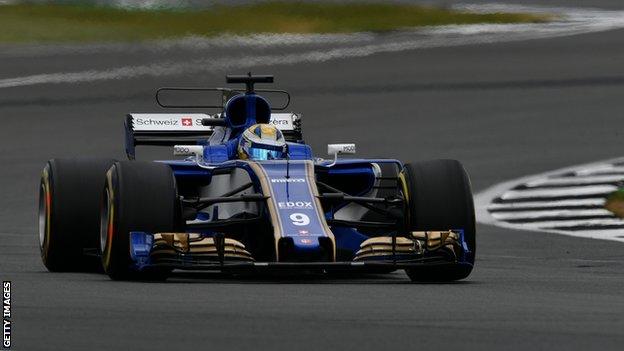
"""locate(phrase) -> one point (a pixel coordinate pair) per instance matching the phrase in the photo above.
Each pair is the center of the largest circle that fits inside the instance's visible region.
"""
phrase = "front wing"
(194, 251)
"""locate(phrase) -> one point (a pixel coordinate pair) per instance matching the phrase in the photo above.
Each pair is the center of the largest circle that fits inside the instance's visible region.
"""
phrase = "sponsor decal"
(305, 241)
(187, 122)
(304, 232)
(340, 149)
(349, 148)
(188, 150)
(155, 122)
(279, 122)
(288, 180)
(283, 121)
(192, 121)
(168, 122)
(299, 205)
(181, 150)
(6, 314)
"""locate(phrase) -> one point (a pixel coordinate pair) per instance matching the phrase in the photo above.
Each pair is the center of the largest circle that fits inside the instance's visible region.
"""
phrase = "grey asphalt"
(505, 110)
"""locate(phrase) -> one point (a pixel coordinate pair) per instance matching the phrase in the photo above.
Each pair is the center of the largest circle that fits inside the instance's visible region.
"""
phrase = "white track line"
(605, 234)
(504, 216)
(598, 201)
(579, 223)
(575, 21)
(483, 201)
(601, 170)
(556, 192)
(576, 180)
(192, 43)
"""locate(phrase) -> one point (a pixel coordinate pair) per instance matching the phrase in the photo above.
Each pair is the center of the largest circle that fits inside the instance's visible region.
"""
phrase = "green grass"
(615, 202)
(83, 23)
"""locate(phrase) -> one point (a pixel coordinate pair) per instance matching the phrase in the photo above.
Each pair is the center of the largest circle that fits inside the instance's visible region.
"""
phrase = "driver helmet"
(262, 142)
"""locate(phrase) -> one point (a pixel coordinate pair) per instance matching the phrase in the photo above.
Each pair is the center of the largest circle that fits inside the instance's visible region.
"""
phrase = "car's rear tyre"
(69, 207)
(138, 196)
(439, 197)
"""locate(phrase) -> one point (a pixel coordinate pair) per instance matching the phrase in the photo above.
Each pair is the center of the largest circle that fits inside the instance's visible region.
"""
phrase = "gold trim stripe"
(319, 209)
(278, 231)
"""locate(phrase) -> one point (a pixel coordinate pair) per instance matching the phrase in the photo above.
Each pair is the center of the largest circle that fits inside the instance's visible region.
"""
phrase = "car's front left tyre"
(439, 197)
(69, 207)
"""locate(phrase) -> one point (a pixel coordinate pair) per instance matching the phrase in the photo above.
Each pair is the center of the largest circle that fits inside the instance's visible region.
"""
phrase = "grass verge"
(615, 203)
(42, 23)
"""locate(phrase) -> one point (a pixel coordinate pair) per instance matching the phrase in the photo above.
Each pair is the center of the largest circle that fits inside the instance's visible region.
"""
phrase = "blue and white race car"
(247, 195)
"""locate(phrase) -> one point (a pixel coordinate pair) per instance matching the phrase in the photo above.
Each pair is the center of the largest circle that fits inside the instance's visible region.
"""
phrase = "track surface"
(506, 110)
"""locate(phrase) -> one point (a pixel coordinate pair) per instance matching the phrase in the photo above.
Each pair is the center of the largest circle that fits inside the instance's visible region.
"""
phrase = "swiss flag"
(187, 122)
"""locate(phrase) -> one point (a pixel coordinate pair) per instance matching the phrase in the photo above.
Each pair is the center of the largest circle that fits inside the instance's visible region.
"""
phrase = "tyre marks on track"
(569, 201)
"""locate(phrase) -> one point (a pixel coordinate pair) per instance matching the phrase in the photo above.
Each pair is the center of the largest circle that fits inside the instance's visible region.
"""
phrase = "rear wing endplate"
(169, 129)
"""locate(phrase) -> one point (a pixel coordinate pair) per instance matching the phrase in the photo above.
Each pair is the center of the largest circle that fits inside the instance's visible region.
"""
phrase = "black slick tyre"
(138, 196)
(439, 197)
(69, 207)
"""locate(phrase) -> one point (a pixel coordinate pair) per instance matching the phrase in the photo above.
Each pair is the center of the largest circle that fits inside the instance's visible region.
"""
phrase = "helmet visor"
(256, 153)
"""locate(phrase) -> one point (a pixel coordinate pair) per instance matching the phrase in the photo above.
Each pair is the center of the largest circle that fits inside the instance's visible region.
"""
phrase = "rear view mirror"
(336, 149)
(188, 150)
(339, 149)
(197, 151)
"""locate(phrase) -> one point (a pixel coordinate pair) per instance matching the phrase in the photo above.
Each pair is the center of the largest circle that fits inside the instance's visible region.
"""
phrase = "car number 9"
(299, 219)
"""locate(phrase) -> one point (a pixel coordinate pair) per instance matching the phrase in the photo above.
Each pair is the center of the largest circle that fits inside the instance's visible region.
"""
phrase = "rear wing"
(169, 129)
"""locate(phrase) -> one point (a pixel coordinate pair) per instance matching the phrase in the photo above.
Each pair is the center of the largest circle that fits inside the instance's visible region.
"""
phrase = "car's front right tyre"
(138, 196)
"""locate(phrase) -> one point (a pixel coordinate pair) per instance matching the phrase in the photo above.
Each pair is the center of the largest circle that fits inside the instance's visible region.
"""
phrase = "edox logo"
(295, 205)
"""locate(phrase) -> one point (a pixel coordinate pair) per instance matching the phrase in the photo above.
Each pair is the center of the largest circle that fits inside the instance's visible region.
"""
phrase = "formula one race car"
(247, 196)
